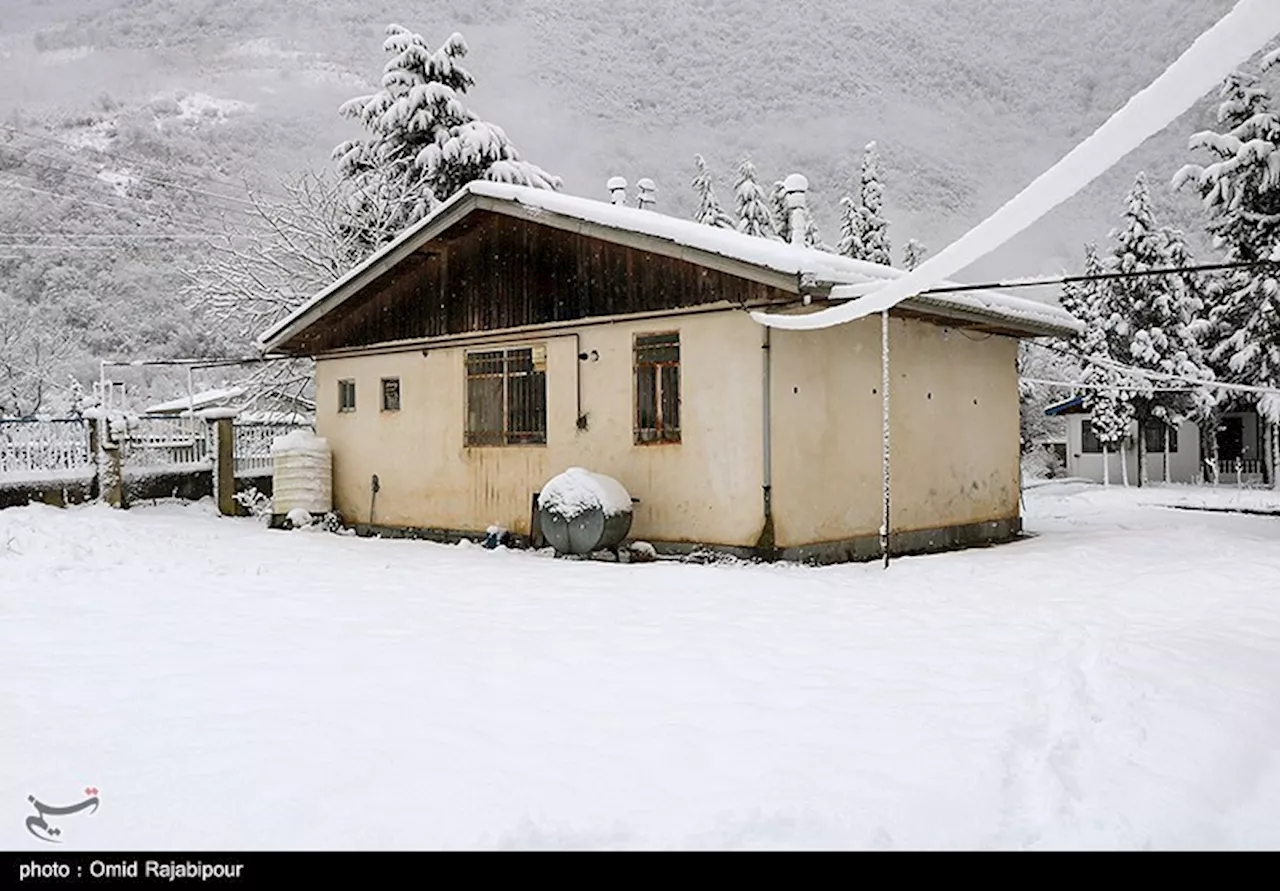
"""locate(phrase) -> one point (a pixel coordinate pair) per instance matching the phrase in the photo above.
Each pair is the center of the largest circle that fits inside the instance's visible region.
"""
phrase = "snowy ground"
(1112, 682)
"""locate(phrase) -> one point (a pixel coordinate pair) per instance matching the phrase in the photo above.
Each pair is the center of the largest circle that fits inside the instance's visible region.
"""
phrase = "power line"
(143, 178)
(115, 208)
(1192, 383)
(154, 165)
(1077, 279)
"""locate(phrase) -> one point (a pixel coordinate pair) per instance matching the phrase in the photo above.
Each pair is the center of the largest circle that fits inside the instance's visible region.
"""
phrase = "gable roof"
(774, 262)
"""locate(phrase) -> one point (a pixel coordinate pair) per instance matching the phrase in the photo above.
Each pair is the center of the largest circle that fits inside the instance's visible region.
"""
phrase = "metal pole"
(884, 387)
(191, 404)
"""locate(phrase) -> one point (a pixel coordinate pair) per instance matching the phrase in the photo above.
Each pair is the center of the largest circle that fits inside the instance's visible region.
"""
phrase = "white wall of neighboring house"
(1183, 464)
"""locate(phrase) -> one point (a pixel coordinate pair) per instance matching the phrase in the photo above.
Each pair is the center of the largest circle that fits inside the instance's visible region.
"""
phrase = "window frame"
(346, 385)
(383, 392)
(1156, 429)
(1089, 438)
(659, 433)
(507, 437)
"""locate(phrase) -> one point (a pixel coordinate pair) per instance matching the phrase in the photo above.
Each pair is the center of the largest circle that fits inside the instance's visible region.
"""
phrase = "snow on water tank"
(581, 512)
(302, 474)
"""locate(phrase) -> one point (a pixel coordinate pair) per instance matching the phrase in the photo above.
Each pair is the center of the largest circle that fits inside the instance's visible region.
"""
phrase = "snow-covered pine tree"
(913, 254)
(873, 226)
(423, 144)
(780, 212)
(709, 211)
(1104, 389)
(850, 244)
(1152, 315)
(755, 214)
(1240, 191)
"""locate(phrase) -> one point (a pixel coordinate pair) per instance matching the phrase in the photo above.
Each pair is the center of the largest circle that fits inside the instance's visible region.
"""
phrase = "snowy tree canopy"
(1150, 326)
(1240, 191)
(781, 214)
(913, 253)
(709, 211)
(875, 228)
(424, 143)
(864, 232)
(755, 215)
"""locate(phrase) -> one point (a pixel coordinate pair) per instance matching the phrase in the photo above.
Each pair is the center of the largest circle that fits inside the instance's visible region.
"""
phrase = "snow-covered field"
(1112, 682)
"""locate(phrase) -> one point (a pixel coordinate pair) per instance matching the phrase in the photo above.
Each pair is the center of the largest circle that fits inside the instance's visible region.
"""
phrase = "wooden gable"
(492, 271)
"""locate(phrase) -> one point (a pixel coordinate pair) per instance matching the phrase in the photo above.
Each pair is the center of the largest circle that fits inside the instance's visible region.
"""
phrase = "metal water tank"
(301, 474)
(581, 512)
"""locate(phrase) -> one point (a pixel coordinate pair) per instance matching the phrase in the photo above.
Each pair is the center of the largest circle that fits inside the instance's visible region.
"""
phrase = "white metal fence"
(253, 446)
(162, 444)
(45, 450)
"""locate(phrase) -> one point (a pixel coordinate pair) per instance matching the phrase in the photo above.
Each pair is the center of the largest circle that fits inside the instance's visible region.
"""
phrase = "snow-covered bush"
(254, 502)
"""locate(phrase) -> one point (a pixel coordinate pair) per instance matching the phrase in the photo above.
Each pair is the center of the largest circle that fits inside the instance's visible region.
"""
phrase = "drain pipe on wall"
(766, 544)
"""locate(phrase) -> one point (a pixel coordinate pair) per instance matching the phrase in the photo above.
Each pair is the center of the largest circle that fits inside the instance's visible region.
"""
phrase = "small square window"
(346, 395)
(391, 394)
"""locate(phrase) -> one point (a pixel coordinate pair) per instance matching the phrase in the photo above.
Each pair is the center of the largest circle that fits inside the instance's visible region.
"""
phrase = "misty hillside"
(115, 109)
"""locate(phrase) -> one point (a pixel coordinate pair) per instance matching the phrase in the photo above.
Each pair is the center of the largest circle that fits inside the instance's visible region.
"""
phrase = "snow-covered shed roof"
(204, 399)
(776, 262)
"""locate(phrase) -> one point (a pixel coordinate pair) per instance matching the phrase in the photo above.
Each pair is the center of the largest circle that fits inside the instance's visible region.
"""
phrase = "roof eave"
(366, 272)
(1013, 325)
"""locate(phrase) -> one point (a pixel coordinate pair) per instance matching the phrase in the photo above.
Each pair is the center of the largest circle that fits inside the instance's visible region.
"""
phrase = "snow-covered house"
(517, 332)
(1178, 458)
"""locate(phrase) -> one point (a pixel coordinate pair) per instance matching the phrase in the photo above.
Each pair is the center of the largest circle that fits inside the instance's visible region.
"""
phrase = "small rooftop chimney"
(796, 188)
(617, 187)
(648, 194)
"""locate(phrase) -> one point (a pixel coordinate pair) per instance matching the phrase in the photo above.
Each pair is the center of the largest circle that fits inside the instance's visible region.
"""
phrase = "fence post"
(95, 455)
(224, 460)
(113, 476)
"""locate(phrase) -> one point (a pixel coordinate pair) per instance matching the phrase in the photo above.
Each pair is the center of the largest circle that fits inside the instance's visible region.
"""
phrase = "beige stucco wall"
(707, 488)
(954, 430)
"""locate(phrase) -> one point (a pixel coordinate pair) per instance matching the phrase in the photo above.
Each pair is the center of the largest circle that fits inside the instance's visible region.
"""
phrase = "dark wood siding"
(492, 272)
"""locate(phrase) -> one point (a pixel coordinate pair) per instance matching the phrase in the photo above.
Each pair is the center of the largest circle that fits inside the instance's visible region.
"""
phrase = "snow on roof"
(778, 256)
(200, 400)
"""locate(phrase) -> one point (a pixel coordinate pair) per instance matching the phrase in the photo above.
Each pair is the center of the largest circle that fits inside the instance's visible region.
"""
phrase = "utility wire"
(154, 165)
(1077, 279)
(143, 178)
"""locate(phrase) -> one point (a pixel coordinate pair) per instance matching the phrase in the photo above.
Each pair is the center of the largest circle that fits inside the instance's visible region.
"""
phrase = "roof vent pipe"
(796, 188)
(617, 187)
(648, 194)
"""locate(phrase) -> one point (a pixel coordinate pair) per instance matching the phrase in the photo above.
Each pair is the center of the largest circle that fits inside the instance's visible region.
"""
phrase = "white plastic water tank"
(301, 474)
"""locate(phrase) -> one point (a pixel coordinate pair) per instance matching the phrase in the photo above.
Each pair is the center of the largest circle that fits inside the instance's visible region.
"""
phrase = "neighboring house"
(1239, 442)
(262, 407)
(517, 332)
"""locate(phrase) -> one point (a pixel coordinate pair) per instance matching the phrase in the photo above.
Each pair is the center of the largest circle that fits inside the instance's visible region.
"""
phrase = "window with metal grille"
(507, 397)
(346, 395)
(657, 358)
(391, 394)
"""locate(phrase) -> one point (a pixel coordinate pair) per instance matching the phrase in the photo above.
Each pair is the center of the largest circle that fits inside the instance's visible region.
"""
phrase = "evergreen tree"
(874, 227)
(709, 211)
(1240, 191)
(755, 215)
(423, 144)
(850, 244)
(864, 232)
(781, 213)
(913, 254)
(1107, 391)
(1150, 323)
